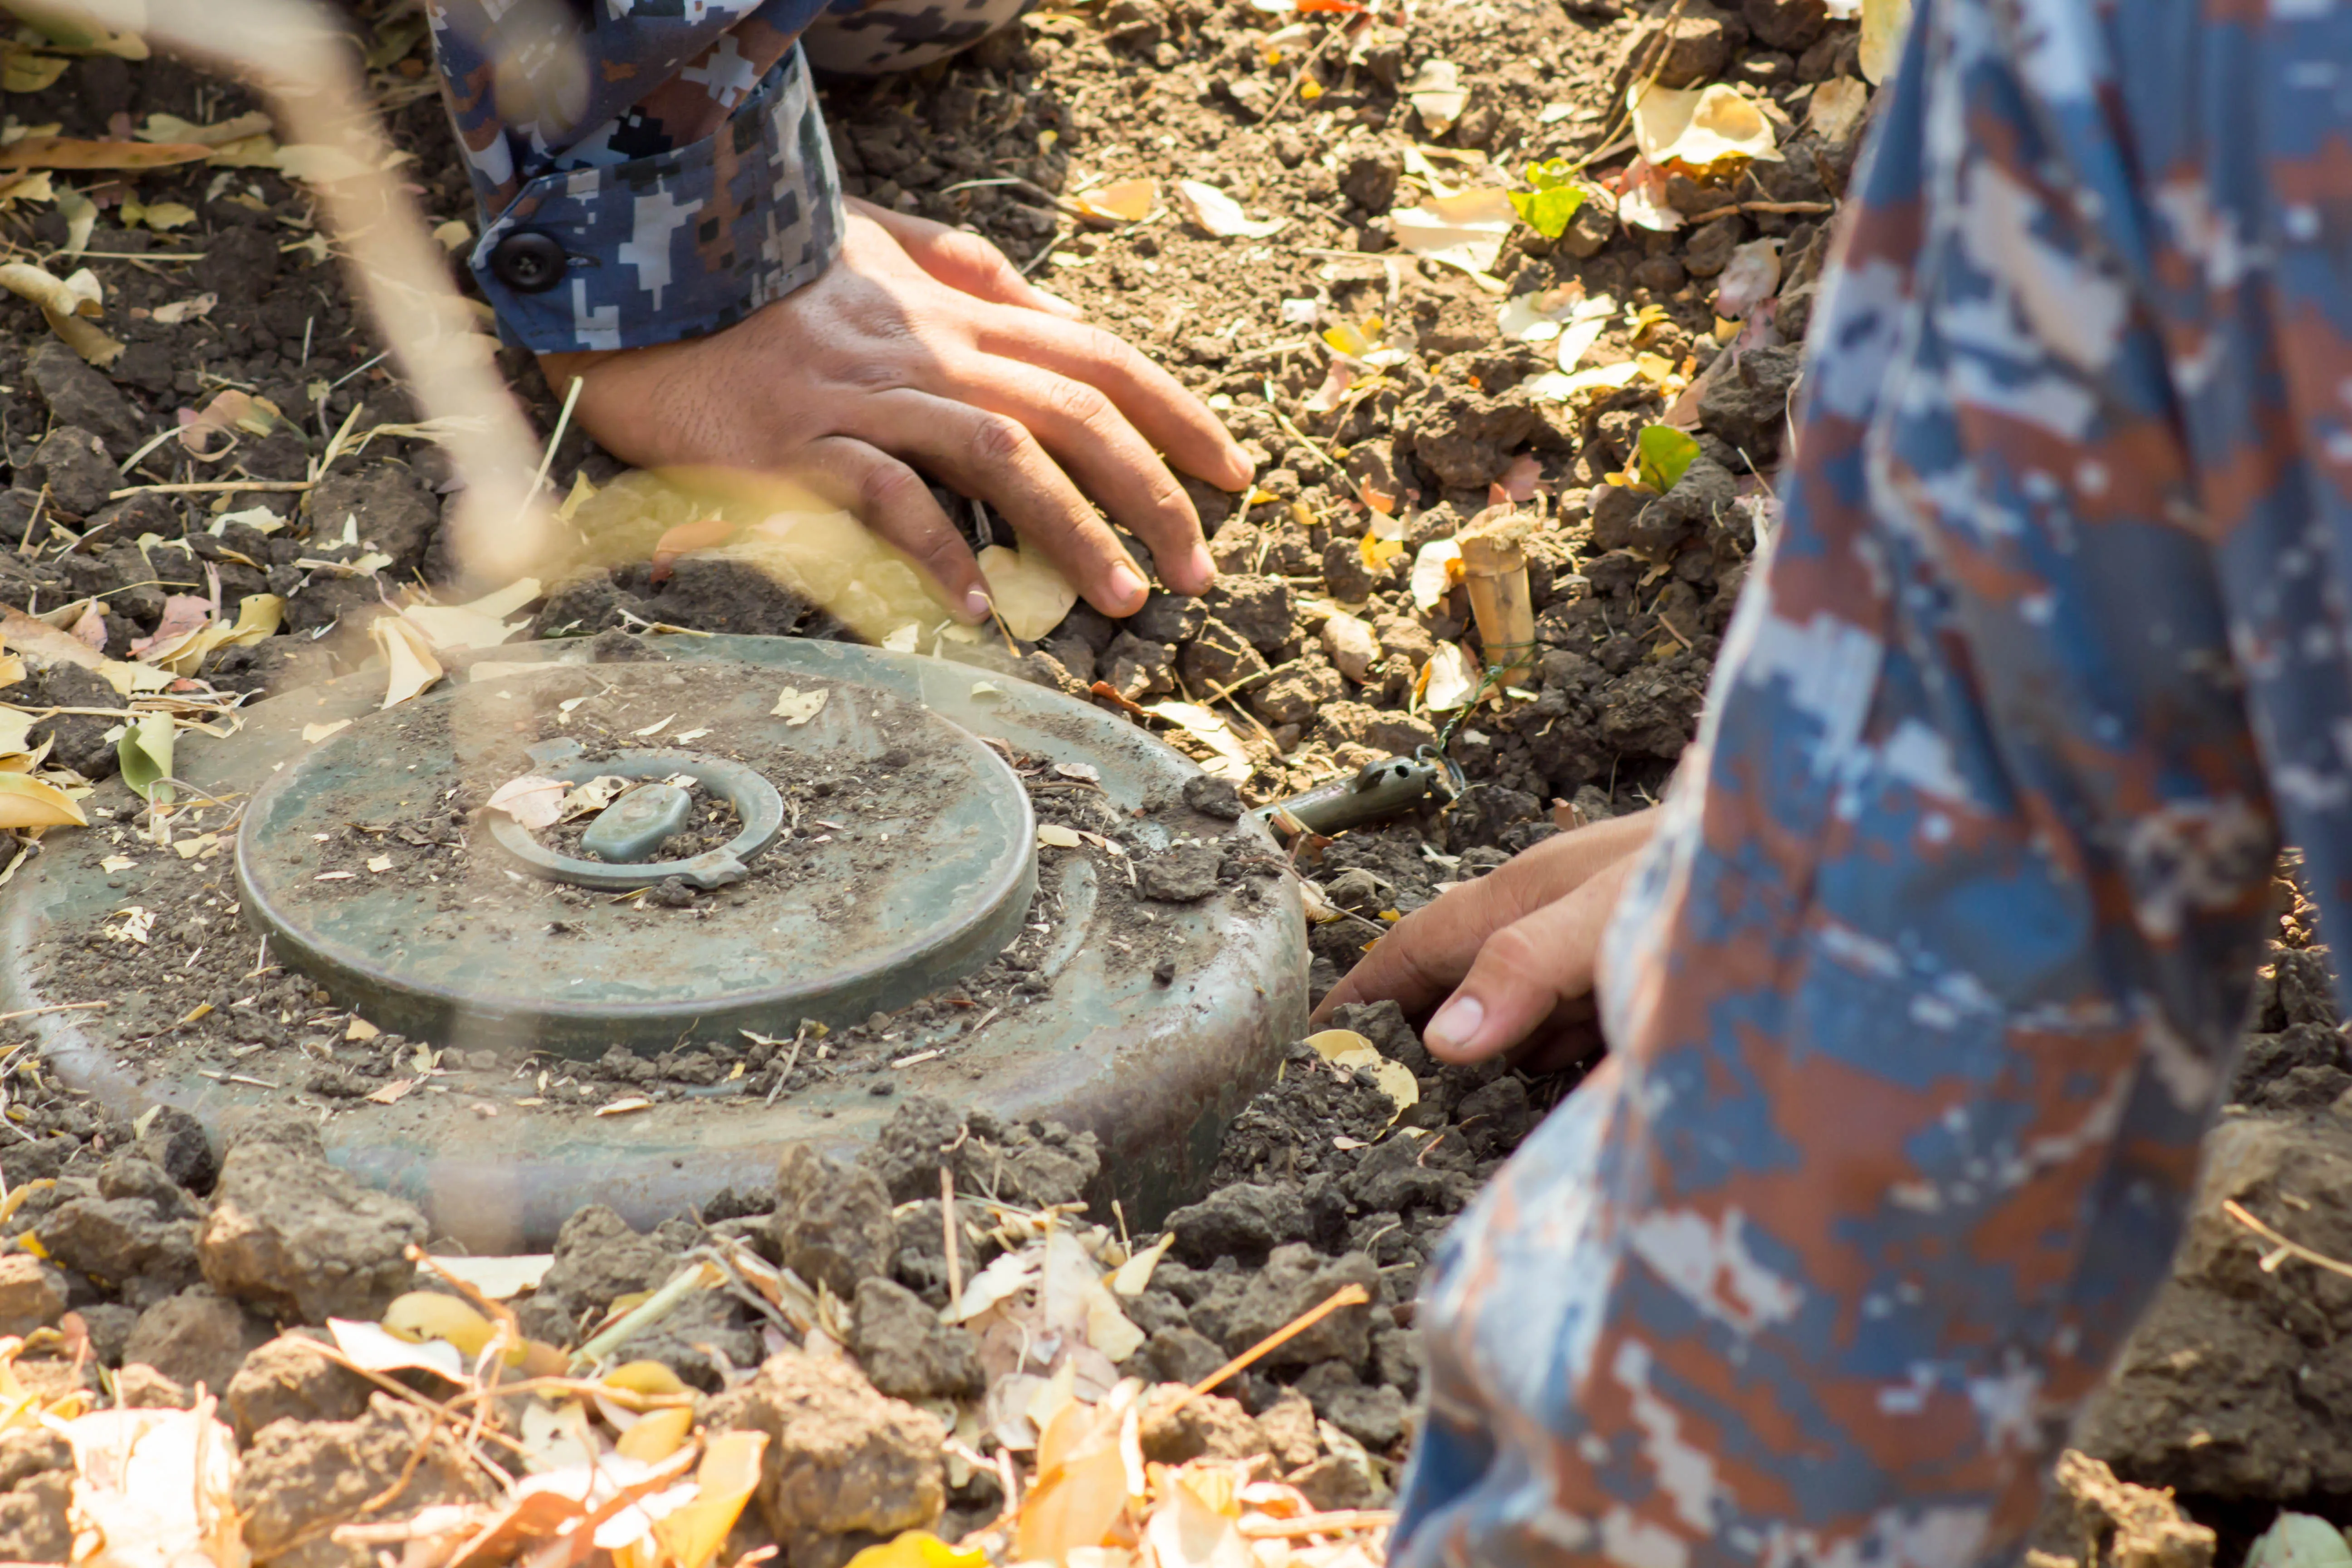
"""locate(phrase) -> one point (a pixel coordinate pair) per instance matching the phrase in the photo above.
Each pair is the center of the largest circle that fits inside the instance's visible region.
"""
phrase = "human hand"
(921, 342)
(1513, 951)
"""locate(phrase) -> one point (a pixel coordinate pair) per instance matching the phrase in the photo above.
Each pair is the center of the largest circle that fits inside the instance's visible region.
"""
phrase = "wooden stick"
(1332, 1523)
(2286, 1249)
(211, 486)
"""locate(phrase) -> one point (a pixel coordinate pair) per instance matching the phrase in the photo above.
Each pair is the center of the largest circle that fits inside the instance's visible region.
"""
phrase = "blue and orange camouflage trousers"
(1924, 992)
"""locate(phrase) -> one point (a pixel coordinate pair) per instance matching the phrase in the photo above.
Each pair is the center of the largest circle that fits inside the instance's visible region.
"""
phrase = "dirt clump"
(845, 1465)
(37, 1468)
(290, 1233)
(299, 1479)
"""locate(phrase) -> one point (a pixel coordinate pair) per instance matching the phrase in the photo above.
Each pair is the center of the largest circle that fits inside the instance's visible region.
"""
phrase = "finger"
(1092, 439)
(1425, 955)
(965, 262)
(891, 499)
(1155, 403)
(1568, 1038)
(993, 455)
(1525, 972)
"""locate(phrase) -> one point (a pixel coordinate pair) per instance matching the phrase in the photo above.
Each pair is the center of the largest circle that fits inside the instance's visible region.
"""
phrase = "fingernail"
(975, 606)
(1455, 1025)
(1203, 567)
(1066, 307)
(1127, 585)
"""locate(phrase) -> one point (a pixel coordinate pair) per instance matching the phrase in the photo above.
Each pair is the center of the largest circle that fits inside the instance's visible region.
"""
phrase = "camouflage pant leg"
(870, 37)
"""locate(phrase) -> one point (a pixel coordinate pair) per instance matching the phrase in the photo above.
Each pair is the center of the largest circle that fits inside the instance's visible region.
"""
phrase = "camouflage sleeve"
(648, 170)
(1926, 985)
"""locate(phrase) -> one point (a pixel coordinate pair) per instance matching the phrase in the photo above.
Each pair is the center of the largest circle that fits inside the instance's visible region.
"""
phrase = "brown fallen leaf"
(73, 153)
(392, 1090)
(623, 1107)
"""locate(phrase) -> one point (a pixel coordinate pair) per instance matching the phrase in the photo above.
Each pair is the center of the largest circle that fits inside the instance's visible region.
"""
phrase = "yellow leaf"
(64, 303)
(413, 666)
(656, 1436)
(729, 1471)
(1883, 23)
(27, 802)
(643, 1378)
(422, 1315)
(1122, 201)
(71, 152)
(29, 72)
(918, 1548)
(1031, 593)
(1698, 128)
(1074, 1504)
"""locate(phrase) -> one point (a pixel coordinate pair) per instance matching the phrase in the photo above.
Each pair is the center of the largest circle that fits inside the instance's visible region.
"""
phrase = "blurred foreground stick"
(292, 51)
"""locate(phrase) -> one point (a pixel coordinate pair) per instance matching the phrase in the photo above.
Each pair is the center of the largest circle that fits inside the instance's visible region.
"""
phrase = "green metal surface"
(1155, 1069)
(632, 827)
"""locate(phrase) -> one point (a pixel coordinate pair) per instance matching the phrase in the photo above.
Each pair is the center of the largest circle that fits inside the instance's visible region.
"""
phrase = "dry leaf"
(237, 128)
(1230, 762)
(27, 802)
(394, 1090)
(1883, 23)
(1466, 230)
(1698, 128)
(499, 1277)
(1435, 569)
(624, 1106)
(413, 666)
(64, 303)
(153, 1486)
(1837, 107)
(314, 734)
(378, 1348)
(1751, 277)
(1438, 95)
(475, 624)
(1122, 201)
(797, 708)
(379, 863)
(728, 1475)
(1031, 595)
(530, 800)
(1221, 216)
(68, 153)
(1551, 386)
(1185, 1531)
(1054, 835)
(193, 309)
(1450, 679)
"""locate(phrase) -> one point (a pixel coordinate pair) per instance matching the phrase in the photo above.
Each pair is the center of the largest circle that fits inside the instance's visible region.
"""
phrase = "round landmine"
(900, 932)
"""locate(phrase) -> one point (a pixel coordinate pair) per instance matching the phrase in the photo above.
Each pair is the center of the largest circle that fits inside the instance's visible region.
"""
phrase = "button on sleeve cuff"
(677, 245)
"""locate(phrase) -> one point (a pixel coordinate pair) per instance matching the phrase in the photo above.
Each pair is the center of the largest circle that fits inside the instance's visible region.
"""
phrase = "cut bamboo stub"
(1494, 570)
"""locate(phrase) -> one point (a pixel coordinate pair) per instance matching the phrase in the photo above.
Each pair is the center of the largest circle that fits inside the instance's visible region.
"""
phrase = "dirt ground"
(152, 1259)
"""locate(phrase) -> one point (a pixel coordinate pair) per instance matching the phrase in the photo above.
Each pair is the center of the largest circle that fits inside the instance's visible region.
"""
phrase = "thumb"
(1525, 971)
(968, 263)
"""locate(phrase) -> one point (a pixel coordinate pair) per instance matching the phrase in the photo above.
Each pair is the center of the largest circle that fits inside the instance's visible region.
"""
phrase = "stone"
(1387, 733)
(390, 508)
(1218, 660)
(904, 1349)
(844, 1466)
(1789, 26)
(195, 1337)
(1481, 812)
(1182, 875)
(79, 395)
(1257, 607)
(1351, 645)
(1746, 402)
(1168, 619)
(1589, 231)
(1345, 576)
(1295, 696)
(176, 1143)
(599, 1256)
(831, 1223)
(1288, 1427)
(1404, 635)
(1243, 1220)
(1370, 181)
(120, 1240)
(1241, 1310)
(138, 1386)
(298, 1237)
(73, 464)
(1206, 1426)
(1180, 1354)
(1214, 796)
(1136, 669)
(32, 1294)
(301, 1478)
(289, 1379)
(1708, 249)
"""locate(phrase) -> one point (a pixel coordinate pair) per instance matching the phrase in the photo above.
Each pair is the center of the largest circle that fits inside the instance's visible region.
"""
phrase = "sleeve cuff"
(675, 245)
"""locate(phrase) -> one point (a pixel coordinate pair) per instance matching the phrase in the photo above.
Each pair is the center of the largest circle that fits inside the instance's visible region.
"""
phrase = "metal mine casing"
(939, 875)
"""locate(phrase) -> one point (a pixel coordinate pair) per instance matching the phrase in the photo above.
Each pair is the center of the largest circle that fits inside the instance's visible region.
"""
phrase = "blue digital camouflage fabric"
(672, 149)
(1925, 989)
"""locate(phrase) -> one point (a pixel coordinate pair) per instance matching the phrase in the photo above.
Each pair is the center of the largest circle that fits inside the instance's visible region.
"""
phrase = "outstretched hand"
(920, 343)
(1511, 955)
